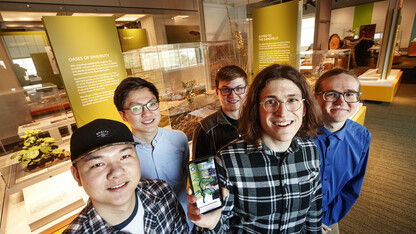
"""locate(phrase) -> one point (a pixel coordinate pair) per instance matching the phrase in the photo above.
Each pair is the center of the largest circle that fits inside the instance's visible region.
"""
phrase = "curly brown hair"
(249, 121)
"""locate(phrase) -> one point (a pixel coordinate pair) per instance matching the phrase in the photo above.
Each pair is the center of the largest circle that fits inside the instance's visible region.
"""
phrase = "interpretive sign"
(275, 30)
(133, 38)
(88, 54)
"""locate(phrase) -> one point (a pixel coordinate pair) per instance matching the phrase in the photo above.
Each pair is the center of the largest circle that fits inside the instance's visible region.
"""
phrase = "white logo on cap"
(102, 133)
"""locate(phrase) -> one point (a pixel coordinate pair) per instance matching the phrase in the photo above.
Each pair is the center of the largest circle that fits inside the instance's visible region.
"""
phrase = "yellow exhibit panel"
(275, 35)
(381, 90)
(132, 38)
(88, 54)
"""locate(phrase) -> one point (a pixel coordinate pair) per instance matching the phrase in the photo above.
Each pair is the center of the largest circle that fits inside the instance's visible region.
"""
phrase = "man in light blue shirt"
(163, 153)
(343, 145)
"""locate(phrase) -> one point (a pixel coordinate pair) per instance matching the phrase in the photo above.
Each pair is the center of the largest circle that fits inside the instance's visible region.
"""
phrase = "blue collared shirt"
(344, 157)
(166, 161)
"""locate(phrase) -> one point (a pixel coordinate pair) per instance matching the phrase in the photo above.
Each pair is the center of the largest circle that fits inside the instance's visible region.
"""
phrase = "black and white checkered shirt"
(162, 212)
(270, 192)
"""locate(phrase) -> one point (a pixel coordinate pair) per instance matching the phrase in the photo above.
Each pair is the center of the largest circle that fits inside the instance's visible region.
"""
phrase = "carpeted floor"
(387, 203)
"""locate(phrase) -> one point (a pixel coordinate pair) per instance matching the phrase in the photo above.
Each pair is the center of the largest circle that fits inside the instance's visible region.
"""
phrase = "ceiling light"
(91, 14)
(24, 16)
(130, 17)
(182, 16)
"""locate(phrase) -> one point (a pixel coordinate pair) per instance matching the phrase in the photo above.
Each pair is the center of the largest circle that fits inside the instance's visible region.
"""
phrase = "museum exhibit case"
(41, 110)
(313, 63)
(185, 77)
(183, 73)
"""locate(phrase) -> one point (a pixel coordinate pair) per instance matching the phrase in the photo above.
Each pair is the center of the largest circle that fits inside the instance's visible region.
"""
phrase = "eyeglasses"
(333, 96)
(237, 90)
(139, 109)
(271, 105)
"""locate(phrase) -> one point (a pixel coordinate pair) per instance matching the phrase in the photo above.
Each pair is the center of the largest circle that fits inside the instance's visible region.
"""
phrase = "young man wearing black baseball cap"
(106, 165)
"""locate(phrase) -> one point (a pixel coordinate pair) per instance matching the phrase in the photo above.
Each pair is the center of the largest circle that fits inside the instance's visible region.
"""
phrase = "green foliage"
(189, 87)
(204, 187)
(36, 148)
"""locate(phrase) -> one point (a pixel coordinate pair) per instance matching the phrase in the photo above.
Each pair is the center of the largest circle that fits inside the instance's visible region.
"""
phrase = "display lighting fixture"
(18, 16)
(91, 14)
(19, 25)
(182, 16)
(130, 17)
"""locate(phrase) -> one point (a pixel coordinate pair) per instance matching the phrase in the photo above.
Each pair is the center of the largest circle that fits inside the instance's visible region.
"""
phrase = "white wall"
(341, 21)
(217, 25)
(175, 20)
(379, 15)
(408, 15)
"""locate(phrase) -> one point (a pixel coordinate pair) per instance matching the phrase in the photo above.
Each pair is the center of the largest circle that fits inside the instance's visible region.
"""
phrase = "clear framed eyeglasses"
(271, 105)
(139, 109)
(333, 96)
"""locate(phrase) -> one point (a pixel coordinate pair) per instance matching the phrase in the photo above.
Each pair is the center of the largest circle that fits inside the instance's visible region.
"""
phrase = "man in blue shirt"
(343, 145)
(163, 153)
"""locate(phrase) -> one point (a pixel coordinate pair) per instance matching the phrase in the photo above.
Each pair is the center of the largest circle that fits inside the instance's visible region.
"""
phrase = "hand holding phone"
(203, 178)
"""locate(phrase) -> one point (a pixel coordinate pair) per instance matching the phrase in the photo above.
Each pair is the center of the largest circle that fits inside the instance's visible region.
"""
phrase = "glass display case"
(313, 63)
(45, 100)
(42, 107)
(185, 77)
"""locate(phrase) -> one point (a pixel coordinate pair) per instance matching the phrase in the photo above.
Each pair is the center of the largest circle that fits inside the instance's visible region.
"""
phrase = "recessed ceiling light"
(182, 16)
(24, 16)
(130, 17)
(91, 14)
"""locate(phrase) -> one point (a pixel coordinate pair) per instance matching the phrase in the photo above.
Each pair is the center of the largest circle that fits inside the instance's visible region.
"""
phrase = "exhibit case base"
(374, 89)
(46, 206)
(359, 117)
(39, 201)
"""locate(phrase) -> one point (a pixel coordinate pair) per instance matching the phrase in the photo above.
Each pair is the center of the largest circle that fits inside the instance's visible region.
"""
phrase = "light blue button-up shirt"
(166, 161)
(344, 157)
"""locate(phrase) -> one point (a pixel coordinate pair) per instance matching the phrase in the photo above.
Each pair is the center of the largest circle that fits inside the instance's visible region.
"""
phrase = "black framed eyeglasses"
(271, 105)
(237, 90)
(333, 96)
(139, 109)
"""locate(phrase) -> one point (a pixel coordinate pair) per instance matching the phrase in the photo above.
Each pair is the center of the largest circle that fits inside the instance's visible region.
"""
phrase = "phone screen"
(204, 182)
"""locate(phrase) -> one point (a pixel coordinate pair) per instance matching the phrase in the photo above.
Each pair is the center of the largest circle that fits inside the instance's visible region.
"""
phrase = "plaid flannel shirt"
(162, 212)
(270, 192)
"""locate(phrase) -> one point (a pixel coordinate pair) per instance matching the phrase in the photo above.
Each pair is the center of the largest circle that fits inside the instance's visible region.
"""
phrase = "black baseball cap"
(96, 135)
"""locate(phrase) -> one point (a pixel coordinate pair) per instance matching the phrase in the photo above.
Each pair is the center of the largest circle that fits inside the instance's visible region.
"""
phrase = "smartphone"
(203, 178)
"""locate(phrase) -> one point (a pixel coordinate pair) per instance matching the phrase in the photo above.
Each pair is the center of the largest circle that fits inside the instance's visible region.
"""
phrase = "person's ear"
(123, 115)
(217, 91)
(304, 111)
(76, 176)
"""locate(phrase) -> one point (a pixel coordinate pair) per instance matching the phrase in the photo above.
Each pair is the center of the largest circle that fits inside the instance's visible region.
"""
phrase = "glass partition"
(313, 63)
(184, 75)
